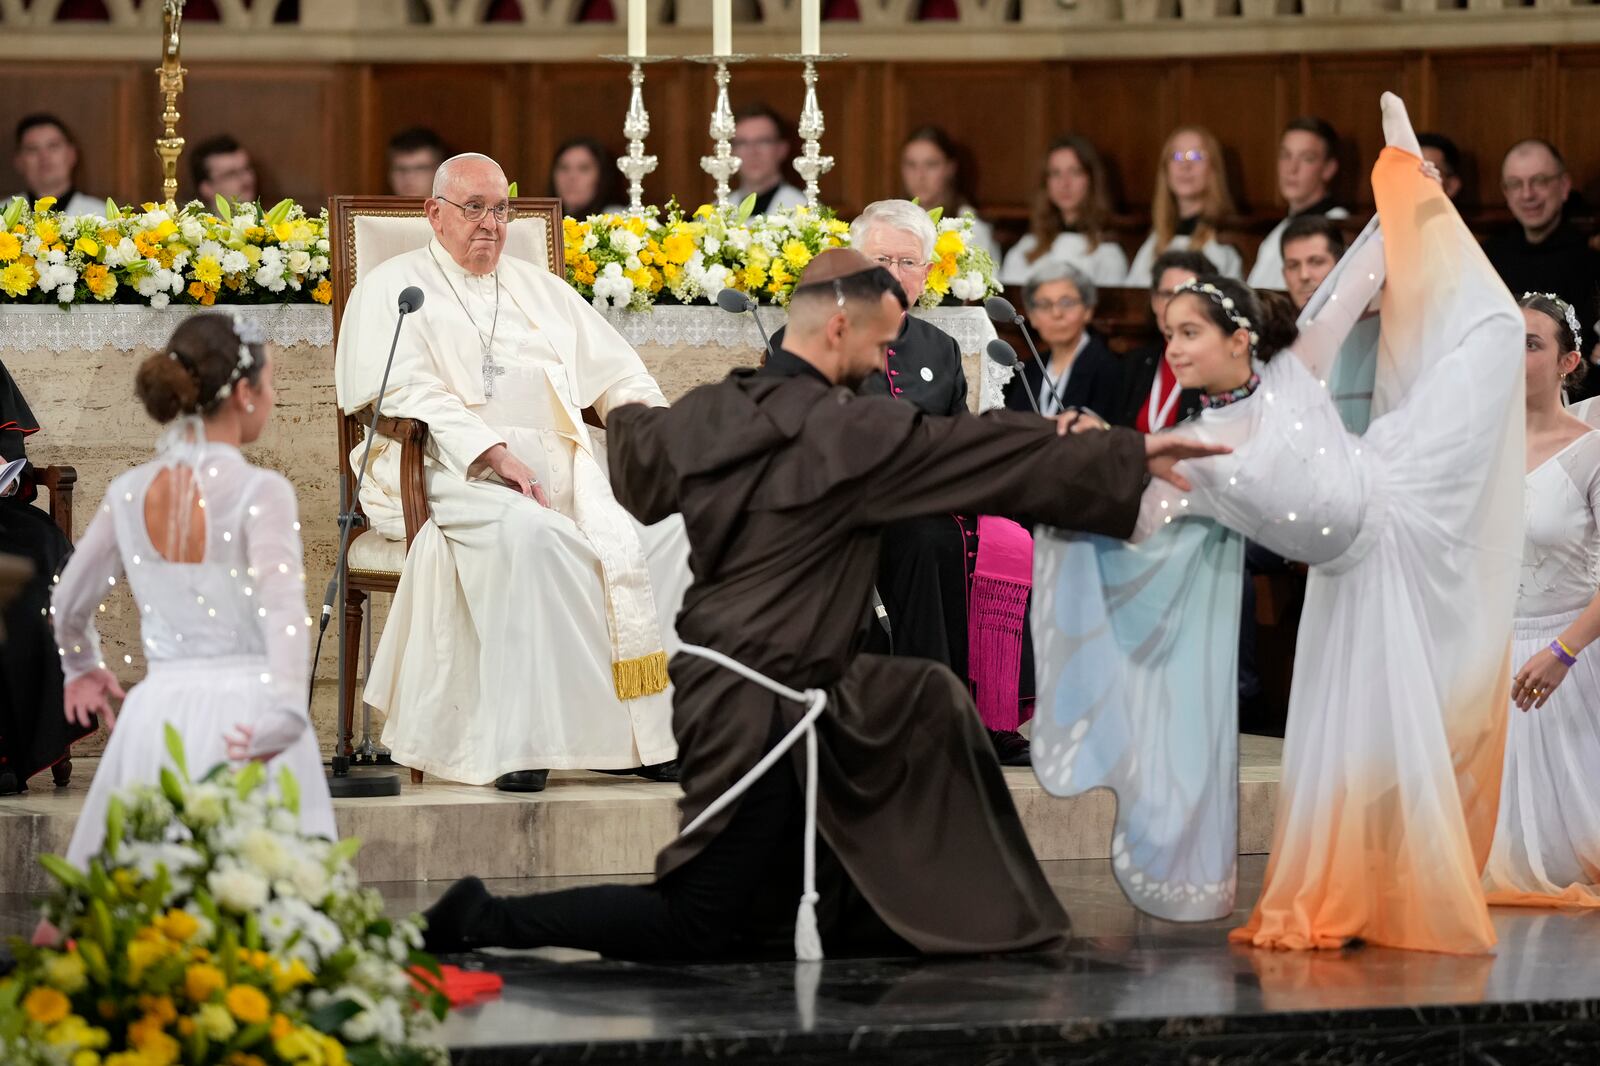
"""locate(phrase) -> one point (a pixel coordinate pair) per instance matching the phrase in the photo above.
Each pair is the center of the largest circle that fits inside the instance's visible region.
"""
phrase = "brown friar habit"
(784, 482)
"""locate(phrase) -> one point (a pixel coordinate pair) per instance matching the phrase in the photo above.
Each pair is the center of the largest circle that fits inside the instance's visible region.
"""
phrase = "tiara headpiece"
(1226, 302)
(247, 332)
(1566, 311)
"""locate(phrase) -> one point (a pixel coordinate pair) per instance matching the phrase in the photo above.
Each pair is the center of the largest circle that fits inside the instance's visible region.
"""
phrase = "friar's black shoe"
(11, 785)
(455, 919)
(1010, 747)
(522, 781)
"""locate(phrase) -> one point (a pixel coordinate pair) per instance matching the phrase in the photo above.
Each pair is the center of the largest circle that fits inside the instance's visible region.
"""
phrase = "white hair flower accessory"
(1567, 312)
(1224, 301)
(247, 332)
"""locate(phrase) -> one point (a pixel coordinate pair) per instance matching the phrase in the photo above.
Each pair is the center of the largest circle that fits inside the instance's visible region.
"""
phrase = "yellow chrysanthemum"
(292, 976)
(938, 283)
(249, 1005)
(679, 247)
(671, 273)
(73, 1031)
(46, 1005)
(177, 925)
(323, 292)
(47, 231)
(160, 1008)
(65, 972)
(299, 1046)
(86, 1057)
(214, 1021)
(201, 981)
(754, 277)
(208, 270)
(796, 254)
(101, 282)
(10, 247)
(281, 1026)
(109, 237)
(949, 245)
(837, 227)
(635, 226)
(17, 279)
(87, 245)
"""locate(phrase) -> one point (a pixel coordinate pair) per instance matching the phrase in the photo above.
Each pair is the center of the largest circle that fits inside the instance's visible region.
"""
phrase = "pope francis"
(533, 620)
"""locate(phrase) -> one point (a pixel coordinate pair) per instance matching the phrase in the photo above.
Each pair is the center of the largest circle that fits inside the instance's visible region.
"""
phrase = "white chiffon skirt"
(1546, 850)
(203, 699)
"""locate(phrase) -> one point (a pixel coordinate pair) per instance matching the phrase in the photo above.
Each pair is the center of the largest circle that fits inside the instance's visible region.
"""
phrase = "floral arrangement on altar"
(234, 254)
(626, 262)
(210, 932)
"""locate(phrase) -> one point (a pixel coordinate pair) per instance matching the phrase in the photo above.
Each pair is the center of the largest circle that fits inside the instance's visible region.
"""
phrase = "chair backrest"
(363, 231)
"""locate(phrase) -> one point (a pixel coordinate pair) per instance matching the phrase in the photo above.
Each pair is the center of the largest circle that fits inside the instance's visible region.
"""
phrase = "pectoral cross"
(491, 370)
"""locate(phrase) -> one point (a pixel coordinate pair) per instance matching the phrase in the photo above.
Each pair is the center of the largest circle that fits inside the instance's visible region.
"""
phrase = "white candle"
(636, 27)
(810, 27)
(722, 27)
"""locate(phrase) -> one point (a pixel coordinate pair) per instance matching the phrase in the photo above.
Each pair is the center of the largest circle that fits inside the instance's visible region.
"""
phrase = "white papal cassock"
(521, 638)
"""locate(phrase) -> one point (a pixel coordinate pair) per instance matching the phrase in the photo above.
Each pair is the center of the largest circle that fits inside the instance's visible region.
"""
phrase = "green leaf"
(289, 790)
(747, 207)
(116, 822)
(171, 787)
(343, 852)
(280, 211)
(14, 211)
(224, 211)
(330, 1016)
(100, 885)
(175, 749)
(426, 963)
(936, 214)
(63, 871)
(252, 933)
(249, 1037)
(511, 191)
(95, 959)
(100, 914)
(249, 779)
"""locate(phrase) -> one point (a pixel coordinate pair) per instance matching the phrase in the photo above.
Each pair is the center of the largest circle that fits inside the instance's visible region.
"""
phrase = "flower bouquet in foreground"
(209, 930)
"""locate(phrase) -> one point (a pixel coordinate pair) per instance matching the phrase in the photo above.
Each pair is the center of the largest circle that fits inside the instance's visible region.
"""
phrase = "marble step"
(584, 824)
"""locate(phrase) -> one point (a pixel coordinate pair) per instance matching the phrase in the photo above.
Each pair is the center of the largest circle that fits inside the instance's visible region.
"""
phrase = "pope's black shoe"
(455, 919)
(661, 771)
(522, 781)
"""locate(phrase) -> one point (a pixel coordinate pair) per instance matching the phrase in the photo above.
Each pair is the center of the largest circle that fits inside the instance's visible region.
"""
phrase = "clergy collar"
(447, 262)
(65, 199)
(785, 364)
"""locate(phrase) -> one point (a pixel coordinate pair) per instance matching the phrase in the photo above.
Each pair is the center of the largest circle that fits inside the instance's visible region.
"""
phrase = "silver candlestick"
(812, 164)
(722, 164)
(636, 127)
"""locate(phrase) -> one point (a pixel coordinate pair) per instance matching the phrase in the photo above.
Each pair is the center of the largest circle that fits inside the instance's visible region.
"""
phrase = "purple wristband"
(1559, 650)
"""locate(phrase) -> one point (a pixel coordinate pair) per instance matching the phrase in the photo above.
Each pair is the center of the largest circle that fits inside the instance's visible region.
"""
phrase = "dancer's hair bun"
(195, 370)
(166, 389)
(1278, 328)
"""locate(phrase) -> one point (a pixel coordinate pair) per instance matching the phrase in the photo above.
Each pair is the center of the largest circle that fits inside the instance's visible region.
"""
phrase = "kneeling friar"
(534, 616)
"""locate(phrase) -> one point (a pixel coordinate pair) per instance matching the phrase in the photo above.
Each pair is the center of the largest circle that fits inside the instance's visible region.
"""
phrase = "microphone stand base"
(361, 783)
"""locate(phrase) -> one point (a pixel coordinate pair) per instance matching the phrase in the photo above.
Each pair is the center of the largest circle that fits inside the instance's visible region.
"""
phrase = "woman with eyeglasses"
(1078, 369)
(1070, 212)
(1191, 199)
(930, 170)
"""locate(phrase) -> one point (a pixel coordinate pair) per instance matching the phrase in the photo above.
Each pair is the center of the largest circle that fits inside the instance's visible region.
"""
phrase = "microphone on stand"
(1004, 355)
(410, 299)
(737, 303)
(999, 309)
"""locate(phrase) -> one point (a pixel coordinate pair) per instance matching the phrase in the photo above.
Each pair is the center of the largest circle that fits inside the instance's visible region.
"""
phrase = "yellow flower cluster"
(160, 255)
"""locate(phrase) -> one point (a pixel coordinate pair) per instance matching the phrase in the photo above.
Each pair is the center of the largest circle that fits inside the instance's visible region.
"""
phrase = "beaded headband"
(1566, 310)
(1224, 301)
(247, 332)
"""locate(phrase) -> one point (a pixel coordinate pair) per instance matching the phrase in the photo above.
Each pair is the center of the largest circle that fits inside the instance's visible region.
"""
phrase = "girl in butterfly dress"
(1396, 726)
(1546, 848)
(209, 546)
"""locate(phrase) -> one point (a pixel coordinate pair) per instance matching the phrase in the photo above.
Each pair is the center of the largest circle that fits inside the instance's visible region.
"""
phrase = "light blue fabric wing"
(1355, 373)
(1137, 650)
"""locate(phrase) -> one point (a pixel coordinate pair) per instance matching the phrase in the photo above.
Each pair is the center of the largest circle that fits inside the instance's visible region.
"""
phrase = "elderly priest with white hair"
(533, 619)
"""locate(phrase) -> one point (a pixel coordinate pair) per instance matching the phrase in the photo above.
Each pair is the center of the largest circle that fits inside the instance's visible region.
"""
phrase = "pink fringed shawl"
(996, 613)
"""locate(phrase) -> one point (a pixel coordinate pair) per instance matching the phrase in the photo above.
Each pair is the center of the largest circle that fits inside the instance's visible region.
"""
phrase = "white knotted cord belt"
(807, 940)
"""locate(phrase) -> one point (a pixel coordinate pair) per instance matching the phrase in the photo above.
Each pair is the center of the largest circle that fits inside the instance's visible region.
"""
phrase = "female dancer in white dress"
(1546, 848)
(210, 548)
(1392, 757)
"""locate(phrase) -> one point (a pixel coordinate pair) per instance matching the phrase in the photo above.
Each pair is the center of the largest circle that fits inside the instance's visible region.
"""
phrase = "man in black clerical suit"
(925, 566)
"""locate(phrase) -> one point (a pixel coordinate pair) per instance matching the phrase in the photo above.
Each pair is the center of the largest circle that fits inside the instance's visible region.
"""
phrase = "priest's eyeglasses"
(905, 266)
(474, 212)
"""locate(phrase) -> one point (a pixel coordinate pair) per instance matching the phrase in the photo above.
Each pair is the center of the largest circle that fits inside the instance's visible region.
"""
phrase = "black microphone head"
(733, 301)
(410, 299)
(999, 309)
(1001, 352)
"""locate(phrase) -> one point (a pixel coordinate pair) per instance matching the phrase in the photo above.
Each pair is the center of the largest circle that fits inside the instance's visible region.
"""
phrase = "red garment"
(1168, 387)
(459, 986)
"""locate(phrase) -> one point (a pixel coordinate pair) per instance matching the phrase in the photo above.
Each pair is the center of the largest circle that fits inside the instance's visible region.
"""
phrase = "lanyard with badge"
(1161, 410)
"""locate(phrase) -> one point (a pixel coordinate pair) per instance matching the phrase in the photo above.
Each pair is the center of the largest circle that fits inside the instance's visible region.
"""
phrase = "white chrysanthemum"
(268, 853)
(160, 300)
(31, 246)
(310, 880)
(181, 260)
(319, 264)
(626, 242)
(234, 262)
(211, 248)
(710, 245)
(968, 286)
(238, 889)
(322, 244)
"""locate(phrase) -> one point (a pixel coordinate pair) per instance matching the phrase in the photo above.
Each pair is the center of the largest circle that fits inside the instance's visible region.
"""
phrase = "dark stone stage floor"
(1131, 990)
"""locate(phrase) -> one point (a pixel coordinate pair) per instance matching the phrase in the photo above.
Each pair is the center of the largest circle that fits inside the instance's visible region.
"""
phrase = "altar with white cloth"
(76, 368)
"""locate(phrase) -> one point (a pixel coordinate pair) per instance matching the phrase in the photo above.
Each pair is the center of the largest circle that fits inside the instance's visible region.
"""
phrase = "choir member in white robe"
(534, 616)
